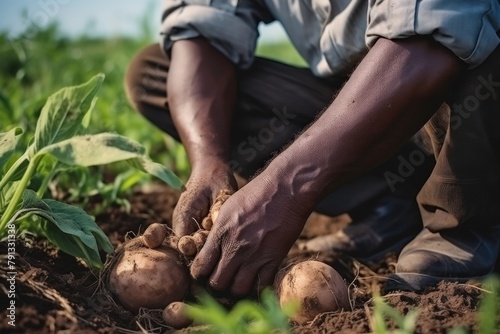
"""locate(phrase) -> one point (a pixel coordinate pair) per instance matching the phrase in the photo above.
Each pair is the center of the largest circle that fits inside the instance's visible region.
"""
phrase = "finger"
(265, 278)
(252, 280)
(224, 272)
(188, 214)
(206, 260)
(244, 280)
(181, 225)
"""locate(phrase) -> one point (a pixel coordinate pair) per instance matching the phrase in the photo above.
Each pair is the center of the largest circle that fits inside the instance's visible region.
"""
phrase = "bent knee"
(145, 79)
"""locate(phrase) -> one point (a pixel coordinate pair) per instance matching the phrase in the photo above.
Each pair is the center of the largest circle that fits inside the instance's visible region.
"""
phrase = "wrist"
(209, 164)
(298, 181)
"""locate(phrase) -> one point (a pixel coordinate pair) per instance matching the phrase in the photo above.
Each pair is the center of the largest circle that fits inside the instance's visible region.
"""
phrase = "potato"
(142, 277)
(223, 195)
(317, 288)
(172, 241)
(175, 315)
(186, 245)
(209, 220)
(200, 237)
(207, 223)
(155, 234)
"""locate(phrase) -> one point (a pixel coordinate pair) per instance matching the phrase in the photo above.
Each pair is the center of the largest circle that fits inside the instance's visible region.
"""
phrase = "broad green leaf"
(71, 244)
(163, 173)
(31, 201)
(63, 113)
(75, 221)
(106, 148)
(8, 142)
(92, 150)
(69, 228)
(68, 243)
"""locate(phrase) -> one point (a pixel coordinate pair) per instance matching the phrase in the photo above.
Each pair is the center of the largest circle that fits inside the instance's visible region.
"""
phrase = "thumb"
(183, 223)
(188, 214)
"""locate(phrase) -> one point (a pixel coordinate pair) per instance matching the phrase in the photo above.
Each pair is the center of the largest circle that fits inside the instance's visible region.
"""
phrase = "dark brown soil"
(57, 294)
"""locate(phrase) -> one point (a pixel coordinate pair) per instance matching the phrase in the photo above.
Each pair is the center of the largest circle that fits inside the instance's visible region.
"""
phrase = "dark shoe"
(459, 254)
(382, 227)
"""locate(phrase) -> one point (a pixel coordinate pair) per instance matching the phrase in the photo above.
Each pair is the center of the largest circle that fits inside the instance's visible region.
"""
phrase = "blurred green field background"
(37, 64)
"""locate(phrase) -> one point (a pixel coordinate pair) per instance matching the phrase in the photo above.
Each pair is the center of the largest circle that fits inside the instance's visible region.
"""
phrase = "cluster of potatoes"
(151, 271)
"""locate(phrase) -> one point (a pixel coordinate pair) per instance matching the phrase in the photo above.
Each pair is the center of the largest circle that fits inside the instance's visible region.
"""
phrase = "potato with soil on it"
(210, 220)
(142, 277)
(199, 238)
(175, 316)
(155, 234)
(316, 286)
(186, 245)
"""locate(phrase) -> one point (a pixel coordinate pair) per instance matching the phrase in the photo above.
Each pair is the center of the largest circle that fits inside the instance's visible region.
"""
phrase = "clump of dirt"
(55, 292)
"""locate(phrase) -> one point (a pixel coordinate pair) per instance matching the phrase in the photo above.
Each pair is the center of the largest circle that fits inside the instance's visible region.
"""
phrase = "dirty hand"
(254, 231)
(201, 190)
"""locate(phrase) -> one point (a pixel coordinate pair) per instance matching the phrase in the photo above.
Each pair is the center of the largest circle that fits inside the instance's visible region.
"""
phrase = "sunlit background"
(95, 18)
(49, 44)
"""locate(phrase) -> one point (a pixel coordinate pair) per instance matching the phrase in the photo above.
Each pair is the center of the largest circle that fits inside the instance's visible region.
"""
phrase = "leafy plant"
(246, 317)
(489, 309)
(55, 146)
(405, 323)
(90, 183)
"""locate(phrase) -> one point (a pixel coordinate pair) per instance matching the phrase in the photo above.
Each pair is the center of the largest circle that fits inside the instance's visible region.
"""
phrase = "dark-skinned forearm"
(201, 89)
(388, 98)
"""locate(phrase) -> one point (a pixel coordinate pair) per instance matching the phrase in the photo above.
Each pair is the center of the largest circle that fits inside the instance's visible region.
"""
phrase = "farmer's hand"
(254, 231)
(201, 190)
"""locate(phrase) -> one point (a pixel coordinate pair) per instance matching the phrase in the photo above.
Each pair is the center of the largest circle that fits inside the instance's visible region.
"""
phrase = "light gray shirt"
(333, 35)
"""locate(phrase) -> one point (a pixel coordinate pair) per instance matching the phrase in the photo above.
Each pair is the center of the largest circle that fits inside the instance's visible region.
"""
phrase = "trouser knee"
(146, 87)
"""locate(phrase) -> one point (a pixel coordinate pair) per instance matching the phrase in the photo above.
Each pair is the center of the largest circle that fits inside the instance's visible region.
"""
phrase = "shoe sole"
(419, 282)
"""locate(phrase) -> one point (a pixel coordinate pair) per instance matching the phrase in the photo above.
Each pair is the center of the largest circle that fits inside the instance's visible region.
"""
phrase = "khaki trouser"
(464, 187)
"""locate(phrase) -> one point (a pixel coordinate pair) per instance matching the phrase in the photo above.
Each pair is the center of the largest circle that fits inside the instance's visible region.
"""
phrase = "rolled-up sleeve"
(229, 25)
(469, 28)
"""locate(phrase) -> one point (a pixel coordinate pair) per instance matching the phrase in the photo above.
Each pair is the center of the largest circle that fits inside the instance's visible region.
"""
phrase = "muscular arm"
(389, 97)
(391, 94)
(201, 90)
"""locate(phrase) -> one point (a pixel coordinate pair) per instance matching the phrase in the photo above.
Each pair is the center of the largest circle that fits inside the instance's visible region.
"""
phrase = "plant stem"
(46, 180)
(18, 194)
(11, 171)
(87, 258)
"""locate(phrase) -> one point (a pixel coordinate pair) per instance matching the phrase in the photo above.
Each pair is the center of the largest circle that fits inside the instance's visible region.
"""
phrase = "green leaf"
(70, 228)
(92, 150)
(64, 112)
(31, 201)
(488, 308)
(8, 142)
(106, 148)
(163, 173)
(75, 221)
(20, 169)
